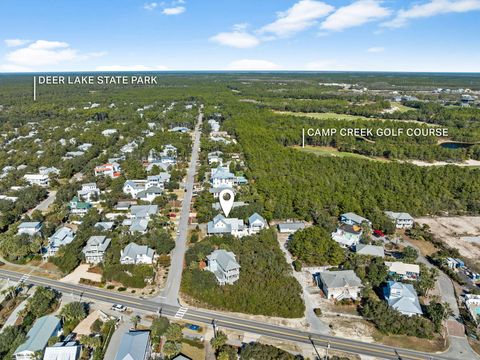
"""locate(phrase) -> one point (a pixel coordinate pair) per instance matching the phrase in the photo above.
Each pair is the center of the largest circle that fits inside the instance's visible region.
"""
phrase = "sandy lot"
(452, 229)
(443, 163)
(81, 272)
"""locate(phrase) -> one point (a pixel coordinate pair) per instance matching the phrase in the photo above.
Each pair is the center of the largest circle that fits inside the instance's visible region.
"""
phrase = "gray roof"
(28, 225)
(338, 279)
(101, 241)
(398, 215)
(227, 225)
(139, 225)
(141, 211)
(133, 250)
(62, 236)
(291, 226)
(256, 217)
(133, 346)
(37, 337)
(104, 225)
(225, 259)
(373, 250)
(355, 218)
(405, 299)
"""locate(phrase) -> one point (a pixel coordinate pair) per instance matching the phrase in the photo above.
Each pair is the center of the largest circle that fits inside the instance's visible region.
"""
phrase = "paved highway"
(170, 292)
(226, 321)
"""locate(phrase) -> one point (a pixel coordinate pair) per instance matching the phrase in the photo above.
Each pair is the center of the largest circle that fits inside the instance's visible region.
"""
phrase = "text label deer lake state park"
(97, 80)
(366, 132)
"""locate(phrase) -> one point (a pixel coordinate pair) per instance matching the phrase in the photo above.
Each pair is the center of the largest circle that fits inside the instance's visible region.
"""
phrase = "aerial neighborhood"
(188, 221)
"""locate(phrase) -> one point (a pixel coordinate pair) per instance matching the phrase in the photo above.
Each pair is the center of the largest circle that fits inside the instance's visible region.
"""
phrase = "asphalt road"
(227, 321)
(170, 292)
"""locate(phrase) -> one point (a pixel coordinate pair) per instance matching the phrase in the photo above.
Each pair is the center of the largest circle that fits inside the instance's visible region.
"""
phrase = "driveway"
(43, 206)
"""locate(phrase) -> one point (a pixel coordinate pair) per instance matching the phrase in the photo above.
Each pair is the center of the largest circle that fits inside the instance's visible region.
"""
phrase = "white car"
(119, 308)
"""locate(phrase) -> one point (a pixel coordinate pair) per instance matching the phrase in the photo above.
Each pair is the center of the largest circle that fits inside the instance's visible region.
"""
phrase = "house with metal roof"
(403, 270)
(29, 227)
(221, 176)
(224, 265)
(369, 250)
(402, 220)
(138, 226)
(63, 236)
(290, 227)
(348, 235)
(143, 211)
(256, 223)
(135, 345)
(37, 337)
(137, 254)
(95, 249)
(79, 207)
(339, 285)
(403, 298)
(104, 225)
(63, 350)
(222, 225)
(354, 219)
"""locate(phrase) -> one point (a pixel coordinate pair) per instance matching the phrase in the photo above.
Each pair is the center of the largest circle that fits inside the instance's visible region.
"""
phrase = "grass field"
(411, 342)
(331, 151)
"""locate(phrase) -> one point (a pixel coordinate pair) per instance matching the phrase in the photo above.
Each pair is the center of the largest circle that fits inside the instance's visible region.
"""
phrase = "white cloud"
(150, 6)
(130, 68)
(44, 53)
(238, 38)
(252, 64)
(41, 53)
(375, 49)
(300, 16)
(174, 10)
(16, 42)
(355, 14)
(432, 8)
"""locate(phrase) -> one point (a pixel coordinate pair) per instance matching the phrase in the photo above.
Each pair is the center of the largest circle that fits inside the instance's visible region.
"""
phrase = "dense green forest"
(265, 286)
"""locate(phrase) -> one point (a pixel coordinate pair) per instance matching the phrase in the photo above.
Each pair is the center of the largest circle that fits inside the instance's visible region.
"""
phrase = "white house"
(48, 170)
(37, 337)
(339, 285)
(37, 179)
(95, 249)
(224, 265)
(402, 220)
(403, 298)
(256, 223)
(222, 225)
(129, 148)
(111, 170)
(354, 219)
(108, 132)
(221, 176)
(403, 270)
(290, 227)
(88, 192)
(137, 254)
(30, 228)
(63, 236)
(347, 235)
(143, 211)
(369, 250)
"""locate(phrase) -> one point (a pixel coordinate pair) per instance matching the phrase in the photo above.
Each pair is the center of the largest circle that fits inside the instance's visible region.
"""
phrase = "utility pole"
(314, 347)
(214, 324)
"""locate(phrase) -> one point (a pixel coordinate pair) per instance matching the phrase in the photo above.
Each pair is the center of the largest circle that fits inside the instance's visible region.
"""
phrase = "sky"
(307, 35)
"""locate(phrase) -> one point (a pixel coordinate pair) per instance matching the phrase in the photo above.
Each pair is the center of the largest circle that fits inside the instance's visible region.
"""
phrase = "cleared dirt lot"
(451, 230)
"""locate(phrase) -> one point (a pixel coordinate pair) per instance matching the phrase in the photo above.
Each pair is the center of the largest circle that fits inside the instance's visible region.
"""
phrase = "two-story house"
(347, 235)
(137, 254)
(403, 298)
(63, 236)
(222, 225)
(224, 265)
(339, 285)
(256, 223)
(95, 249)
(402, 220)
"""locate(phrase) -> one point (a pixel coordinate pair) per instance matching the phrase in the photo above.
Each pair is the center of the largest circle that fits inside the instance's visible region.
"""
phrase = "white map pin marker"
(226, 204)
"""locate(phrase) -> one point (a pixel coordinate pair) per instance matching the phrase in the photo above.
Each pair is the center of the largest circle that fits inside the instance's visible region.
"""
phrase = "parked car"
(119, 308)
(192, 327)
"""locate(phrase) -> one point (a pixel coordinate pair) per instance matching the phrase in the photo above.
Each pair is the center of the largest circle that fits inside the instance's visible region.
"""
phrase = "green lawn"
(330, 151)
(323, 116)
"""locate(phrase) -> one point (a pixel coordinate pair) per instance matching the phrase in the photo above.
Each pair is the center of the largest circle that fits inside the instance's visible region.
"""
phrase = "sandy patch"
(451, 230)
(469, 162)
(81, 272)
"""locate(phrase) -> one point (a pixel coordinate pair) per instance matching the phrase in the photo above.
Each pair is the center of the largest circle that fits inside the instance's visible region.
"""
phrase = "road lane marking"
(182, 311)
